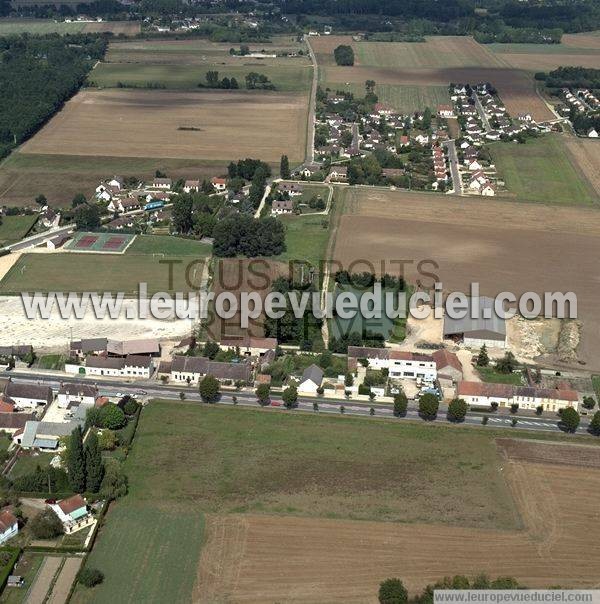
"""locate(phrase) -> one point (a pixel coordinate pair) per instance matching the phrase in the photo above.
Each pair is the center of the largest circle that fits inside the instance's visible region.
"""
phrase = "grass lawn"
(315, 466)
(52, 361)
(405, 98)
(26, 464)
(14, 228)
(5, 441)
(27, 566)
(23, 176)
(305, 238)
(287, 77)
(72, 272)
(170, 246)
(541, 171)
(489, 374)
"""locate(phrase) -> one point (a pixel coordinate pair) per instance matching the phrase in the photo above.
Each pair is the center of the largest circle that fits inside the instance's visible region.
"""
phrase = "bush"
(400, 404)
(428, 406)
(392, 591)
(130, 406)
(457, 410)
(112, 417)
(90, 577)
(364, 389)
(514, 407)
(46, 525)
(569, 419)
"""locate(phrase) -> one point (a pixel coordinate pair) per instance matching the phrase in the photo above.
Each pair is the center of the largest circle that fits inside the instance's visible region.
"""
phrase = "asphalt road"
(40, 238)
(112, 386)
(453, 158)
(482, 115)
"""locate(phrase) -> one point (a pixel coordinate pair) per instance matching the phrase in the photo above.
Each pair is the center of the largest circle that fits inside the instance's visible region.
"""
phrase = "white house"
(400, 365)
(593, 133)
(445, 111)
(254, 347)
(73, 513)
(484, 393)
(488, 190)
(131, 365)
(284, 206)
(311, 380)
(189, 370)
(76, 394)
(162, 183)
(219, 184)
(338, 173)
(117, 182)
(9, 526)
(27, 396)
(191, 185)
(474, 166)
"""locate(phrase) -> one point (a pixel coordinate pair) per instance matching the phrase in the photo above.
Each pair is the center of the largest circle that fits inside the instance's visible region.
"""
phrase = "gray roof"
(124, 347)
(30, 391)
(313, 373)
(90, 345)
(204, 366)
(487, 324)
(78, 389)
(14, 421)
(105, 362)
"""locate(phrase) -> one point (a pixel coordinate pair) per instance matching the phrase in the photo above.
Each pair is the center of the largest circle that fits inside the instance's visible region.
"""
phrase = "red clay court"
(107, 243)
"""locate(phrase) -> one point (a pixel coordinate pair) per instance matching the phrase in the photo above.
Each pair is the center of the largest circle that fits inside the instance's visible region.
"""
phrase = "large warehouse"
(486, 328)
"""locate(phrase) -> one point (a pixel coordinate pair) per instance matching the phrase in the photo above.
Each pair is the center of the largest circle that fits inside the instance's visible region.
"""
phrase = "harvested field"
(551, 453)
(548, 62)
(221, 125)
(585, 154)
(589, 39)
(23, 176)
(344, 561)
(323, 47)
(502, 246)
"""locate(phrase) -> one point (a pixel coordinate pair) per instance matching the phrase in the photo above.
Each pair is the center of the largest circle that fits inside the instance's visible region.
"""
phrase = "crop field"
(88, 272)
(542, 170)
(590, 39)
(585, 154)
(436, 62)
(48, 26)
(181, 125)
(23, 176)
(502, 246)
(14, 228)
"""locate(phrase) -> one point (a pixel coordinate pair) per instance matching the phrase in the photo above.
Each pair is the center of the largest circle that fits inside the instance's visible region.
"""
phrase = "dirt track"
(249, 558)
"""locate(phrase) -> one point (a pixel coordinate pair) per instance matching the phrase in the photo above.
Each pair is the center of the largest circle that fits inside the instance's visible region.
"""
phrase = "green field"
(23, 176)
(407, 98)
(305, 238)
(489, 374)
(26, 464)
(541, 171)
(170, 246)
(87, 272)
(11, 27)
(14, 228)
(288, 77)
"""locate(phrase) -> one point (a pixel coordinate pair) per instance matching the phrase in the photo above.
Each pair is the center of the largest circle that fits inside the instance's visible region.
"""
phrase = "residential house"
(311, 380)
(485, 393)
(474, 166)
(219, 184)
(593, 133)
(28, 396)
(76, 394)
(162, 183)
(310, 170)
(488, 189)
(130, 366)
(291, 188)
(283, 206)
(191, 186)
(445, 111)
(12, 422)
(73, 513)
(339, 173)
(448, 366)
(116, 182)
(9, 526)
(400, 365)
(50, 218)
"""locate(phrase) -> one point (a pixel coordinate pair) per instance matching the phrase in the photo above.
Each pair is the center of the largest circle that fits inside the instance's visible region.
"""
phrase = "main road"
(453, 159)
(152, 389)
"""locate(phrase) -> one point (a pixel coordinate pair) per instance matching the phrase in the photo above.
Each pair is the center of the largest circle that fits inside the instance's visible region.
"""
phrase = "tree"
(209, 389)
(112, 417)
(93, 417)
(507, 364)
(41, 200)
(90, 577)
(400, 404)
(78, 200)
(483, 360)
(315, 406)
(457, 410)
(130, 406)
(589, 402)
(595, 424)
(262, 393)
(284, 167)
(428, 406)
(212, 79)
(513, 422)
(569, 419)
(94, 468)
(348, 380)
(290, 397)
(514, 407)
(87, 217)
(342, 409)
(392, 591)
(114, 484)
(539, 410)
(46, 525)
(344, 55)
(76, 461)
(211, 349)
(372, 411)
(484, 420)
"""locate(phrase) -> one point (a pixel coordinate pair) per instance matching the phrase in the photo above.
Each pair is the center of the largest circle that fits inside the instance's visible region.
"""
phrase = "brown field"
(584, 40)
(239, 275)
(126, 28)
(250, 558)
(585, 154)
(503, 246)
(552, 453)
(133, 123)
(323, 47)
(548, 62)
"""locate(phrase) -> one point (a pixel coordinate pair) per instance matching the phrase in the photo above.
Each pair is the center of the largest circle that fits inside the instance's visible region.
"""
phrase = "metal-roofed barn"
(480, 325)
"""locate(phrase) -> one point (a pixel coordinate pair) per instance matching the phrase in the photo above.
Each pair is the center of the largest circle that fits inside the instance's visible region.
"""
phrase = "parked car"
(50, 501)
(140, 393)
(275, 403)
(120, 394)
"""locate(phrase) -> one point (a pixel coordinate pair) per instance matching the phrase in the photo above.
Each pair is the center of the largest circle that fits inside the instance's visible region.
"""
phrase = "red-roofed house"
(73, 513)
(448, 365)
(9, 526)
(220, 184)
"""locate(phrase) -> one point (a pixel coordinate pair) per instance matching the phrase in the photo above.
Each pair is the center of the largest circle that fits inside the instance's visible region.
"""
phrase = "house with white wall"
(76, 394)
(9, 526)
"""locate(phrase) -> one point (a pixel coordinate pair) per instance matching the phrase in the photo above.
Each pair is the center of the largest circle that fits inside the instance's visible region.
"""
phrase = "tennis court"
(103, 243)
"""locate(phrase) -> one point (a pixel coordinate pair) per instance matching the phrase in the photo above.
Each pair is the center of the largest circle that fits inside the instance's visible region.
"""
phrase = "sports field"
(183, 125)
(105, 243)
(542, 170)
(89, 272)
(276, 486)
(23, 176)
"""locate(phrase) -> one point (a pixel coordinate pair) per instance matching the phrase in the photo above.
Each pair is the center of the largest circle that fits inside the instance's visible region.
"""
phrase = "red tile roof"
(443, 358)
(71, 504)
(7, 520)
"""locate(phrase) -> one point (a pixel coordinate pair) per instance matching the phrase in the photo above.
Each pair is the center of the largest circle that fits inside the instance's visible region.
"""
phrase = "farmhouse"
(162, 183)
(339, 173)
(219, 184)
(400, 365)
(9, 526)
(88, 346)
(191, 185)
(254, 347)
(483, 394)
(131, 365)
(486, 328)
(28, 396)
(189, 370)
(311, 380)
